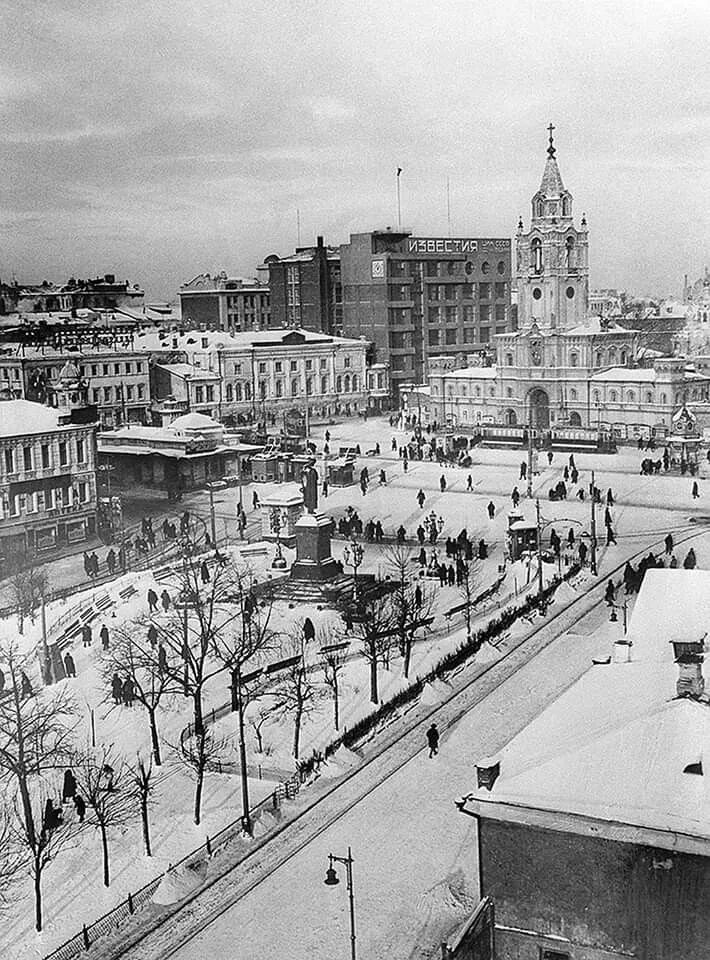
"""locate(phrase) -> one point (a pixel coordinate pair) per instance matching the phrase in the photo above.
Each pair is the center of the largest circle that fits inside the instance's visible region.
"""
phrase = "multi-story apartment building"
(117, 380)
(47, 478)
(232, 304)
(306, 291)
(415, 297)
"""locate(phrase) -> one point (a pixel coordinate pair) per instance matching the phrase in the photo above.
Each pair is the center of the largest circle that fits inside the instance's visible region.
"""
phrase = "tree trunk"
(154, 739)
(374, 694)
(38, 894)
(259, 741)
(297, 730)
(20, 622)
(104, 848)
(146, 826)
(198, 796)
(197, 709)
(407, 644)
(335, 702)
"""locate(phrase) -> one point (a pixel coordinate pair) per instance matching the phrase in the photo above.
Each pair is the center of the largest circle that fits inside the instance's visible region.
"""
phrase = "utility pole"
(539, 547)
(530, 458)
(213, 521)
(237, 695)
(593, 559)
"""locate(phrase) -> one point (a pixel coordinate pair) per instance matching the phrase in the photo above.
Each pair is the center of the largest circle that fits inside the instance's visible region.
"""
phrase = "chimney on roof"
(689, 655)
(487, 772)
(319, 241)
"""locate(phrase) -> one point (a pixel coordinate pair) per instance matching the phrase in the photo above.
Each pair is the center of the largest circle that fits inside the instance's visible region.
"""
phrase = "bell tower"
(552, 266)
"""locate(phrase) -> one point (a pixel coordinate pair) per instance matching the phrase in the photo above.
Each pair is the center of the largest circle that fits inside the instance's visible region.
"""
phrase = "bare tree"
(376, 629)
(130, 655)
(198, 751)
(36, 731)
(333, 650)
(103, 780)
(257, 721)
(144, 781)
(12, 860)
(467, 590)
(295, 693)
(28, 584)
(411, 602)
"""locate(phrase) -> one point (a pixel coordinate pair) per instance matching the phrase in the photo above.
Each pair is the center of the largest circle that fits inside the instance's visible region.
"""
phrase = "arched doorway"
(511, 418)
(574, 419)
(539, 409)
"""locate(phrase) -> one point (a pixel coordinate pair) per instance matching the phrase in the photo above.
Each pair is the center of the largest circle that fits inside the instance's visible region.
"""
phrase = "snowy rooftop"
(474, 373)
(595, 326)
(193, 340)
(615, 746)
(19, 417)
(188, 370)
(625, 375)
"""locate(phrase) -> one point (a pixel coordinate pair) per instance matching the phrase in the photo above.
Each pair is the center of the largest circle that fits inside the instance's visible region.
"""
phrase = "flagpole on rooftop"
(399, 201)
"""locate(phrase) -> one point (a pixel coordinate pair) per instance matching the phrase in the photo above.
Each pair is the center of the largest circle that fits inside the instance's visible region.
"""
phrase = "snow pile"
(179, 882)
(342, 761)
(265, 822)
(435, 692)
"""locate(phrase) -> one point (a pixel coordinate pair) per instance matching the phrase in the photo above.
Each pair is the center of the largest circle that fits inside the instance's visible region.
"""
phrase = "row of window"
(127, 368)
(440, 268)
(113, 394)
(17, 459)
(450, 291)
(572, 395)
(21, 504)
(343, 384)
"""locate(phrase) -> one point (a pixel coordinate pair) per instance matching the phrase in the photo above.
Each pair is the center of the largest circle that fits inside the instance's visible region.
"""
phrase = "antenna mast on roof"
(298, 227)
(448, 205)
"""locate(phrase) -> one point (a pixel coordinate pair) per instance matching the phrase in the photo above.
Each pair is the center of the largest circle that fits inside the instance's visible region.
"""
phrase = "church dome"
(70, 371)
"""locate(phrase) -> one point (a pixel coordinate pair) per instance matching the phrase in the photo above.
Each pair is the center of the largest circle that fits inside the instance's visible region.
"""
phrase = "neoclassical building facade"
(561, 368)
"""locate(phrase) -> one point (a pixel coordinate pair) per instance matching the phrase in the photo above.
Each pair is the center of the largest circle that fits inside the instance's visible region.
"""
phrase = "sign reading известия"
(453, 245)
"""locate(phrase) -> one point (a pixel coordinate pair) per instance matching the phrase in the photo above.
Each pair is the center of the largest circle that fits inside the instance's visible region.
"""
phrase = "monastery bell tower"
(552, 265)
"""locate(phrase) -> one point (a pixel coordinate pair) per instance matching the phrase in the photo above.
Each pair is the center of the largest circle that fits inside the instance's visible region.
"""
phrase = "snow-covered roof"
(474, 373)
(625, 375)
(194, 421)
(616, 744)
(18, 417)
(185, 370)
(594, 326)
(192, 340)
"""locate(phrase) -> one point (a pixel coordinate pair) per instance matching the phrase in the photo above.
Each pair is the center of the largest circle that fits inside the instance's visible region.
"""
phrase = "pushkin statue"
(309, 485)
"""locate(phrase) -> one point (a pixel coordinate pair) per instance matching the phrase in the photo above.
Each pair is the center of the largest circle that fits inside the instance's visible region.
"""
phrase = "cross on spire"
(551, 147)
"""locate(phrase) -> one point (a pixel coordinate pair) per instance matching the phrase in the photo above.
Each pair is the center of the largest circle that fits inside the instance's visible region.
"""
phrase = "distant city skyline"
(160, 140)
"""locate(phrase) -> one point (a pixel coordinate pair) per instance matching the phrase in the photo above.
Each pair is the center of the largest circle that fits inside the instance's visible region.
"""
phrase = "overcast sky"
(164, 138)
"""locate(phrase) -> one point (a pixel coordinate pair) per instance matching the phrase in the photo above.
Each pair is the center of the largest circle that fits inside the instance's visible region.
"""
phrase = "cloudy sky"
(164, 138)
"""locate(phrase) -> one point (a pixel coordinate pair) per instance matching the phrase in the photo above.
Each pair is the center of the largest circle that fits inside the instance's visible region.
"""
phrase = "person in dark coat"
(165, 600)
(442, 483)
(491, 510)
(582, 551)
(128, 692)
(86, 635)
(401, 534)
(162, 659)
(68, 786)
(51, 818)
(152, 600)
(432, 736)
(26, 687)
(204, 572)
(80, 807)
(610, 536)
(69, 665)
(111, 561)
(152, 635)
(421, 535)
(570, 537)
(417, 596)
(421, 497)
(103, 633)
(309, 631)
(610, 592)
(116, 688)
(690, 561)
(607, 517)
(669, 543)
(696, 493)
(515, 498)
(422, 557)
(451, 575)
(523, 470)
(482, 550)
(609, 498)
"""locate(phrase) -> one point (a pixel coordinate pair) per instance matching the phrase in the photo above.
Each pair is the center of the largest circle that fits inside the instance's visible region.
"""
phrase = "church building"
(562, 368)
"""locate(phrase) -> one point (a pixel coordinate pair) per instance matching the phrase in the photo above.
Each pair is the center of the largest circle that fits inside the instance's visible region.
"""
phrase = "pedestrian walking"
(420, 499)
(324, 489)
(116, 688)
(309, 631)
(152, 635)
(550, 456)
(669, 543)
(377, 449)
(327, 436)
(417, 596)
(204, 572)
(696, 494)
(442, 483)
(421, 535)
(401, 534)
(111, 561)
(523, 470)
(255, 500)
(610, 592)
(582, 551)
(469, 483)
(405, 465)
(432, 736)
(383, 478)
(80, 807)
(162, 659)
(565, 473)
(570, 537)
(152, 598)
(571, 462)
(610, 536)
(165, 600)
(128, 692)
(690, 561)
(69, 665)
(68, 785)
(393, 445)
(515, 497)
(86, 635)
(103, 633)
(491, 510)
(609, 498)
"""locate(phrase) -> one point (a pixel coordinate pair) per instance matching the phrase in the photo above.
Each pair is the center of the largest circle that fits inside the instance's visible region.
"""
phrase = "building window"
(45, 456)
(536, 251)
(141, 391)
(294, 388)
(129, 368)
(612, 396)
(279, 388)
(262, 389)
(501, 267)
(478, 391)
(346, 362)
(81, 451)
(509, 392)
(537, 293)
(117, 369)
(323, 363)
(485, 267)
(129, 391)
(27, 458)
(451, 337)
(294, 366)
(484, 334)
(278, 366)
(247, 391)
(500, 313)
(323, 384)
(484, 291)
(649, 397)
(434, 338)
(106, 369)
(598, 358)
(238, 391)
(309, 385)
(573, 394)
(664, 399)
(199, 394)
(9, 461)
(262, 367)
(230, 393)
(509, 359)
(63, 454)
(573, 359)
(107, 394)
(339, 385)
(96, 395)
(569, 258)
(469, 334)
(500, 291)
(94, 370)
(210, 393)
(631, 396)
(570, 293)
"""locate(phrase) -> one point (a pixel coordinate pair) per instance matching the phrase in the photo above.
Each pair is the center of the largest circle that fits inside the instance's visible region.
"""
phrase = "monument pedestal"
(313, 560)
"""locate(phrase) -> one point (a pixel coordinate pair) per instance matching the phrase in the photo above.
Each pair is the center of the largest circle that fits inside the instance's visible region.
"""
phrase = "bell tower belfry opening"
(552, 265)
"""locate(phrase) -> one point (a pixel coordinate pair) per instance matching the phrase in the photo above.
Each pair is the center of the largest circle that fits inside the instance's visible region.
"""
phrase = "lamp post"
(352, 556)
(238, 678)
(331, 880)
(613, 618)
(278, 519)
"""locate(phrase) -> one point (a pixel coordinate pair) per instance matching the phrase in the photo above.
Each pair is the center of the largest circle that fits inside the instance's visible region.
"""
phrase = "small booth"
(264, 468)
(521, 535)
(684, 440)
(279, 512)
(341, 472)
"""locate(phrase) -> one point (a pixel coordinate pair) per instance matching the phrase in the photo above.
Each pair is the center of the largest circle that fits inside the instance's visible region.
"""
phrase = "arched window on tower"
(573, 359)
(536, 251)
(569, 252)
(565, 206)
(509, 359)
(623, 358)
(539, 208)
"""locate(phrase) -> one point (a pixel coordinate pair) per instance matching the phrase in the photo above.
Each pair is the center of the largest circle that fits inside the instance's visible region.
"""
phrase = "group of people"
(152, 598)
(350, 524)
(123, 691)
